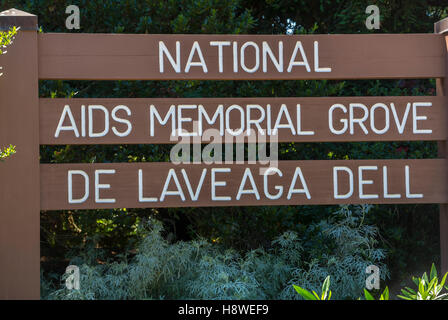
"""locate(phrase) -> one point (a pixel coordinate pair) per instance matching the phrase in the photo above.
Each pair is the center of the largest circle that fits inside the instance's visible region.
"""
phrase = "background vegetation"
(6, 39)
(231, 252)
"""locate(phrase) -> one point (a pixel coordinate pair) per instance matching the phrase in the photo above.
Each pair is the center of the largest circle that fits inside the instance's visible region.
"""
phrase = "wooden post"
(441, 27)
(19, 174)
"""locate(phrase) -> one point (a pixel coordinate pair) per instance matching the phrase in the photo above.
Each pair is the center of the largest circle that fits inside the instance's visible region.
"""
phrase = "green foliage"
(427, 288)
(162, 270)
(200, 269)
(348, 247)
(341, 16)
(7, 152)
(325, 295)
(6, 39)
(383, 296)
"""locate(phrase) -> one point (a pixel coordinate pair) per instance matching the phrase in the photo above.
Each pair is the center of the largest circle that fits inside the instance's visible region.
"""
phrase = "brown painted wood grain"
(19, 174)
(136, 56)
(442, 91)
(314, 114)
(427, 177)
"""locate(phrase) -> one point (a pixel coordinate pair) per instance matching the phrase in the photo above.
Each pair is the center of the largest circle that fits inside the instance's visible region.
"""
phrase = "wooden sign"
(239, 57)
(124, 121)
(132, 185)
(27, 122)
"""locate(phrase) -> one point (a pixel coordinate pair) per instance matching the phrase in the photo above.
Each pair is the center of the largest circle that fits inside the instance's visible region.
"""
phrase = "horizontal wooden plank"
(141, 121)
(141, 185)
(441, 26)
(243, 57)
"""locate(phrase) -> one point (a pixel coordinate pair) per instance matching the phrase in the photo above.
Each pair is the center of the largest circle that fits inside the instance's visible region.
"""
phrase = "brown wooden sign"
(239, 57)
(131, 185)
(124, 121)
(27, 121)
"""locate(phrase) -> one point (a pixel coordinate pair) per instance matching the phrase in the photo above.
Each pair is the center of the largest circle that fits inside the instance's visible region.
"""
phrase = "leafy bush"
(353, 249)
(6, 39)
(427, 289)
(7, 152)
(204, 270)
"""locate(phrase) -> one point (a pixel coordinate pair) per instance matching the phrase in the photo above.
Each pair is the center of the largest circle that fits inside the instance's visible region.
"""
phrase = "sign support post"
(19, 174)
(441, 27)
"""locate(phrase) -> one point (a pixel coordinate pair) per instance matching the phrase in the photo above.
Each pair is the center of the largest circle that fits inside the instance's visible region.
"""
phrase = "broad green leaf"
(433, 283)
(433, 273)
(425, 277)
(420, 296)
(443, 279)
(416, 280)
(385, 295)
(304, 293)
(368, 295)
(421, 286)
(325, 287)
(326, 284)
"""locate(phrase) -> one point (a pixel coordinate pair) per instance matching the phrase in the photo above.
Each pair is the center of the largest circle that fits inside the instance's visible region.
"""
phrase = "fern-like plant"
(201, 269)
(348, 246)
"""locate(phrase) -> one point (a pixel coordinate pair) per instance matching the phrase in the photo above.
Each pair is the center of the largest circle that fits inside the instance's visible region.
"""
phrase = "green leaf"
(425, 278)
(409, 290)
(325, 287)
(368, 295)
(408, 294)
(304, 293)
(443, 279)
(326, 284)
(7, 152)
(433, 273)
(421, 286)
(385, 294)
(432, 284)
(416, 280)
